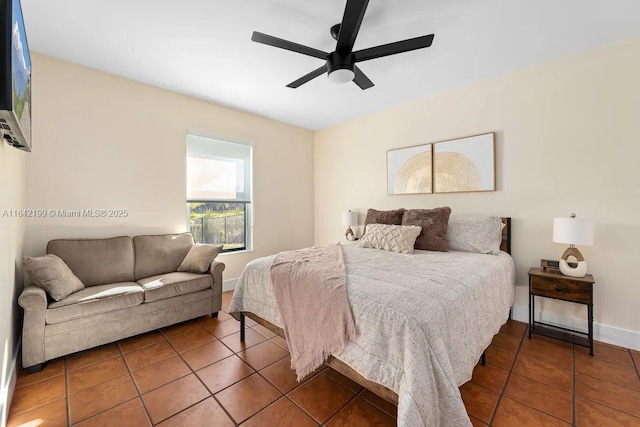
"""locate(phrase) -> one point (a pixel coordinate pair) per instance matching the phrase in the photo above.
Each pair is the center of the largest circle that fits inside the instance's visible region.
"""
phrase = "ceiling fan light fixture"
(341, 63)
(341, 76)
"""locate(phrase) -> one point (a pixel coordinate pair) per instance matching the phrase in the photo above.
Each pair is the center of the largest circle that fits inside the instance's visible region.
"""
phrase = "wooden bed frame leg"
(241, 327)
(483, 358)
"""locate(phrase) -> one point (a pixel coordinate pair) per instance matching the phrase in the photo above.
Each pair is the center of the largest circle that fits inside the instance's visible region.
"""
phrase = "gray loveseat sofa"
(131, 287)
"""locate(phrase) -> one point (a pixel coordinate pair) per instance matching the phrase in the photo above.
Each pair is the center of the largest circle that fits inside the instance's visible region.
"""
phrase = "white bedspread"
(422, 320)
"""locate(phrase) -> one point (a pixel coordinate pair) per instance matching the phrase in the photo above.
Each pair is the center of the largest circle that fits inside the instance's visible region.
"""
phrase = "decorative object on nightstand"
(574, 232)
(552, 284)
(349, 219)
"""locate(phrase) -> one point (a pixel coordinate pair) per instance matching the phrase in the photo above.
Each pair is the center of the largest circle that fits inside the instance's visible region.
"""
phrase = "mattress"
(423, 320)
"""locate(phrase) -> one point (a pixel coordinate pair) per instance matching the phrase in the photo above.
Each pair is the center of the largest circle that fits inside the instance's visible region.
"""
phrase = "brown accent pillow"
(199, 258)
(50, 273)
(383, 217)
(434, 223)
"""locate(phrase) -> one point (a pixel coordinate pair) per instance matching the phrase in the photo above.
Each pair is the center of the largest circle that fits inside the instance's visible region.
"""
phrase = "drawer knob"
(561, 288)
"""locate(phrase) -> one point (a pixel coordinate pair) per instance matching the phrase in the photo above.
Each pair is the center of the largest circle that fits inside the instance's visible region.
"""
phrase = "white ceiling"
(203, 48)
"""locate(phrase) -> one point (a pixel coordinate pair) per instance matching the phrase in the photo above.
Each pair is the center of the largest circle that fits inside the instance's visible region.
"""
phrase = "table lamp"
(574, 232)
(349, 218)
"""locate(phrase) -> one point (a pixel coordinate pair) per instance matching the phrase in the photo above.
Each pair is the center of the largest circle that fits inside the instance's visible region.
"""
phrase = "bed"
(423, 321)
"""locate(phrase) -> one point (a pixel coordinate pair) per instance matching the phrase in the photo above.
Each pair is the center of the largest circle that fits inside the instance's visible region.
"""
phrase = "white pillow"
(475, 233)
(396, 238)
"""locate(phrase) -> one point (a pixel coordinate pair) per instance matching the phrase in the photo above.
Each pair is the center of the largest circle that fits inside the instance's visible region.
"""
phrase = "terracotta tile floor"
(198, 374)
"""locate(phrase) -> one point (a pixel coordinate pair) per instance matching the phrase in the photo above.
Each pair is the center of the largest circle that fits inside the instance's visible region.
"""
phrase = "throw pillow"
(434, 223)
(50, 273)
(475, 233)
(383, 217)
(396, 238)
(199, 258)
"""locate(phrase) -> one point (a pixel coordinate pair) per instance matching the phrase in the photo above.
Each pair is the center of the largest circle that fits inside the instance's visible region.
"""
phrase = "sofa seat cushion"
(95, 300)
(173, 284)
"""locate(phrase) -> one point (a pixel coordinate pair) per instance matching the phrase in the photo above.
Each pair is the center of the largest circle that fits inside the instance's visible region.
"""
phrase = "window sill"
(244, 251)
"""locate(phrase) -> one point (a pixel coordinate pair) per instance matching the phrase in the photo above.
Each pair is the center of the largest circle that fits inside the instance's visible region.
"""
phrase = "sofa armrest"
(34, 302)
(216, 270)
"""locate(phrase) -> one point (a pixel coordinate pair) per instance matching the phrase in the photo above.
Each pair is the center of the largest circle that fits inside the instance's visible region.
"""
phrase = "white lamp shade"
(349, 218)
(573, 231)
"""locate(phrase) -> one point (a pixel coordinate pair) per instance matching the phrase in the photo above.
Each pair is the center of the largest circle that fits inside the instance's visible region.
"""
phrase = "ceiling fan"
(341, 64)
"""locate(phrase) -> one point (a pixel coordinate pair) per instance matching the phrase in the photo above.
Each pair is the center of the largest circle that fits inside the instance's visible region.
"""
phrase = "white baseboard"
(6, 390)
(603, 333)
(229, 285)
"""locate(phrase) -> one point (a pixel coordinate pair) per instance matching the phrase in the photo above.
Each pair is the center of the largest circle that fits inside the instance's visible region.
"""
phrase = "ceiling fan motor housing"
(340, 61)
(340, 67)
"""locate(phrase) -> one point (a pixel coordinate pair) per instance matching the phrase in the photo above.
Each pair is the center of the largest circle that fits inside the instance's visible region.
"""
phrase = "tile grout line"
(609, 406)
(41, 404)
(531, 379)
(633, 360)
(287, 395)
(506, 382)
(66, 390)
(573, 392)
(89, 350)
(354, 397)
(361, 392)
(142, 347)
(199, 379)
(135, 385)
(100, 383)
(257, 372)
(121, 403)
(235, 353)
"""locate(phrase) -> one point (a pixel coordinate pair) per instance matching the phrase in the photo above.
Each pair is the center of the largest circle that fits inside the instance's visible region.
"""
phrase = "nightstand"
(553, 284)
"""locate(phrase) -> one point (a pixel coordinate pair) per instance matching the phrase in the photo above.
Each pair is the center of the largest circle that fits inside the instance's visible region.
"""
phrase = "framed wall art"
(409, 170)
(465, 164)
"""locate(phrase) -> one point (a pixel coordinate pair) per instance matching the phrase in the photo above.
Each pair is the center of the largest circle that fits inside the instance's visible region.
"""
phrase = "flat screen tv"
(15, 77)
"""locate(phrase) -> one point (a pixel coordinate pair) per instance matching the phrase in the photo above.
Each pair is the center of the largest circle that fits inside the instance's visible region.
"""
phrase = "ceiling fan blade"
(287, 45)
(361, 80)
(393, 48)
(353, 15)
(308, 77)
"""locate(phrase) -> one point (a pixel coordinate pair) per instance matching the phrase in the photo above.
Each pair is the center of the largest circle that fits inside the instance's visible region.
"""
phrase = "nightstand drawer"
(562, 288)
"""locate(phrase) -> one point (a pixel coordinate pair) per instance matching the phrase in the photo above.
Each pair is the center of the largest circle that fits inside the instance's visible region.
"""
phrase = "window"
(219, 192)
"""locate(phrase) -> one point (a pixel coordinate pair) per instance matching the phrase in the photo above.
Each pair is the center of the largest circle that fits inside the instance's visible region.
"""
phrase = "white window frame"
(246, 200)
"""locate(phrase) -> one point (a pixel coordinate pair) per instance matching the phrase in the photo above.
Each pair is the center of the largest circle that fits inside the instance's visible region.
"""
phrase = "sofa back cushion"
(96, 261)
(160, 254)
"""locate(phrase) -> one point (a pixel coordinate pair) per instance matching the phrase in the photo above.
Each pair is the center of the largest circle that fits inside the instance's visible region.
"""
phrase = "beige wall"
(12, 197)
(107, 142)
(568, 140)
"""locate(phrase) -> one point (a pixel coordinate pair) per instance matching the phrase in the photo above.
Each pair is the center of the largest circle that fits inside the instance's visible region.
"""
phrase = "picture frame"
(410, 170)
(459, 165)
(465, 164)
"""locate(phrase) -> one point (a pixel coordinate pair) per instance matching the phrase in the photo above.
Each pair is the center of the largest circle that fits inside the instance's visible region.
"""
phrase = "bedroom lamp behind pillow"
(573, 232)
(349, 219)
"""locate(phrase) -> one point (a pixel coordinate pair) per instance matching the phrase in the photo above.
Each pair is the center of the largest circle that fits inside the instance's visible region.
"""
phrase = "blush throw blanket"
(310, 287)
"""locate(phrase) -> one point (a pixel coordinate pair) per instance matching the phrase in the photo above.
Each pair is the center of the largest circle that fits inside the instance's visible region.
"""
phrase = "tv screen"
(15, 77)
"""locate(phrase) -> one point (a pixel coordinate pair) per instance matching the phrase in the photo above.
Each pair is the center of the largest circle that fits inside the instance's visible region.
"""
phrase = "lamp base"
(580, 270)
(349, 234)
